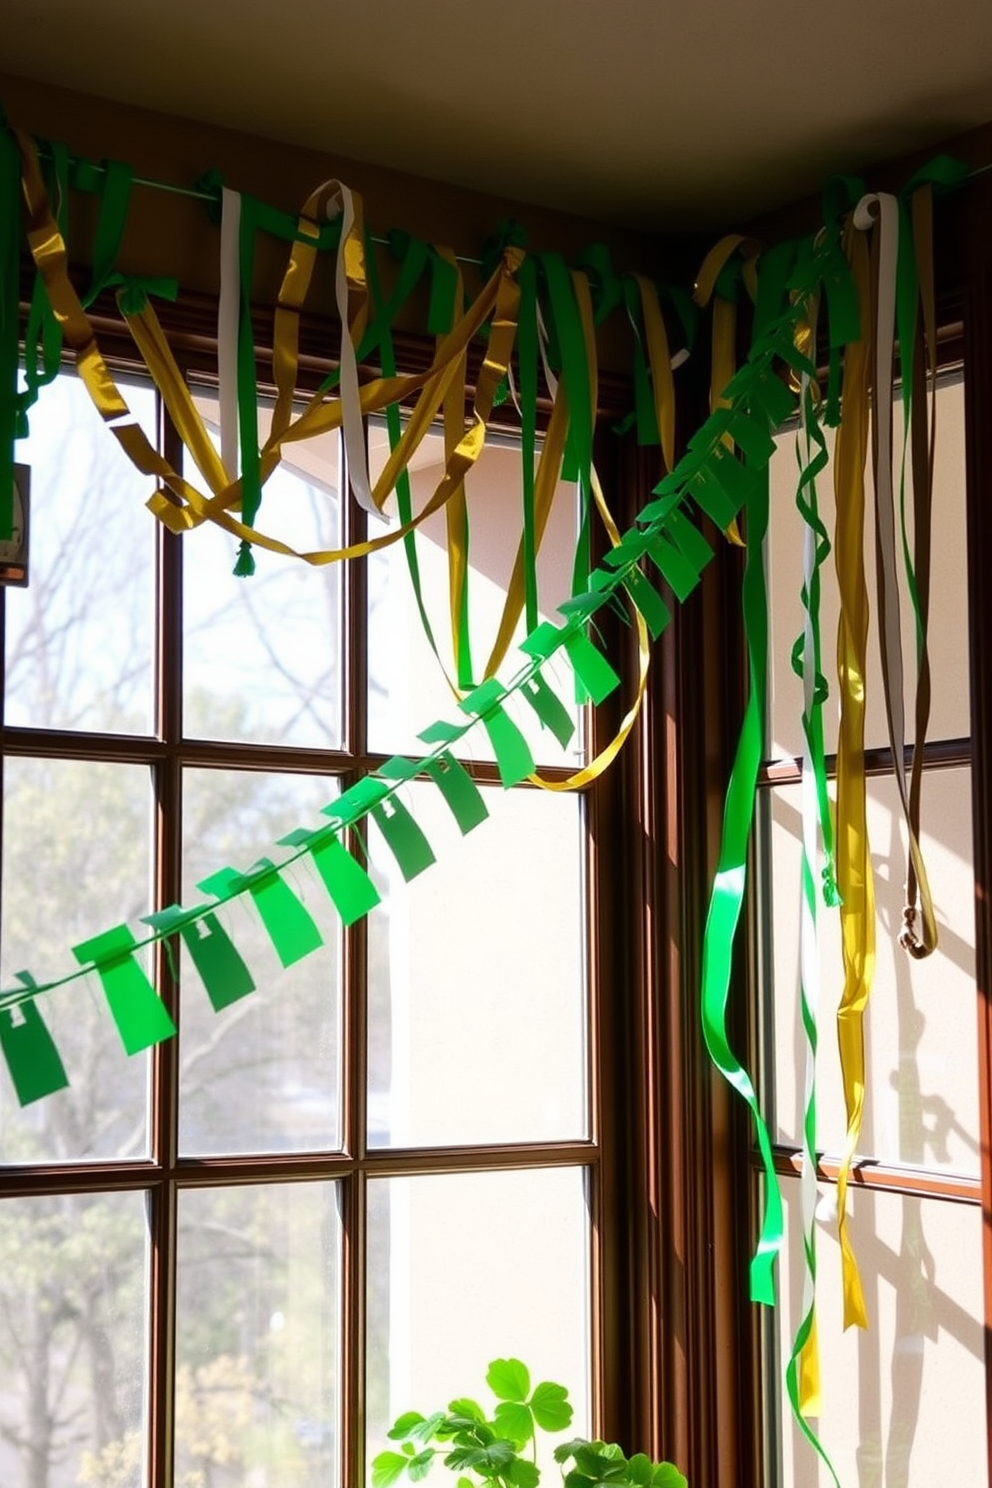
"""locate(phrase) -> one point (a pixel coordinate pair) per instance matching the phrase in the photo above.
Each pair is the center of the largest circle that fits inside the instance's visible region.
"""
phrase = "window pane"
(921, 1103)
(476, 979)
(76, 855)
(262, 655)
(407, 689)
(257, 1336)
(72, 1331)
(264, 1073)
(79, 638)
(471, 1267)
(948, 631)
(904, 1401)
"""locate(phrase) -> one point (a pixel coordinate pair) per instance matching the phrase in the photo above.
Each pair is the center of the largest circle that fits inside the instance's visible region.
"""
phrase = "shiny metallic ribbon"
(854, 871)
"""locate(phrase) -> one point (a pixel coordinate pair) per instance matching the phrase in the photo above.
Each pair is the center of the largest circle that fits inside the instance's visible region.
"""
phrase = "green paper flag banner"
(650, 603)
(351, 889)
(219, 963)
(590, 666)
(549, 708)
(135, 1006)
(290, 928)
(513, 757)
(707, 489)
(689, 540)
(29, 1049)
(404, 838)
(463, 796)
(681, 576)
(356, 801)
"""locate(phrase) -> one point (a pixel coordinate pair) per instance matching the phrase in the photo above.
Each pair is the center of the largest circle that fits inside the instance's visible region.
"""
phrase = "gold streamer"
(178, 503)
(854, 872)
(723, 354)
(660, 361)
(608, 754)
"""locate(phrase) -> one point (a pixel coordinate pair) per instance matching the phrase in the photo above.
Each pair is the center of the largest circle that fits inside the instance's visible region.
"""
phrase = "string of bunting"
(708, 480)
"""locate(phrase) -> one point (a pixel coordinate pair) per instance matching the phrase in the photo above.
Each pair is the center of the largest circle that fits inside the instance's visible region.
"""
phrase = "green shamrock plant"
(500, 1451)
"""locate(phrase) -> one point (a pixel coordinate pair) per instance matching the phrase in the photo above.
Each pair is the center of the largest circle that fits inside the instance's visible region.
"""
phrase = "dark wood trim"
(938, 754)
(889, 1177)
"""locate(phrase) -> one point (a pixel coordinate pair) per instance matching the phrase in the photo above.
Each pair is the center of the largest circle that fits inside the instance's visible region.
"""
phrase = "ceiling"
(656, 114)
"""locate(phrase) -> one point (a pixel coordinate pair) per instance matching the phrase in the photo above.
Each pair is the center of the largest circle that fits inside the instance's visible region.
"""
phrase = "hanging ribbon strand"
(854, 871)
(881, 213)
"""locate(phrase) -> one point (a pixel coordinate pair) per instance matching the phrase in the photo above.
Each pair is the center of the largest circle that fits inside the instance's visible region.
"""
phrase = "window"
(903, 1401)
(233, 1259)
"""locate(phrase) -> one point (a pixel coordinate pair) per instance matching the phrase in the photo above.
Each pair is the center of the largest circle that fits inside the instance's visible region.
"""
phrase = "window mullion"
(168, 846)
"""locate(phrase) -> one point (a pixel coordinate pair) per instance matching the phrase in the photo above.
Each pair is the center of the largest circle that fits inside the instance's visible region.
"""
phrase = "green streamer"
(416, 256)
(35, 1066)
(604, 282)
(566, 326)
(115, 198)
(816, 813)
(406, 842)
(443, 308)
(806, 501)
(290, 928)
(459, 790)
(135, 1006)
(549, 708)
(645, 413)
(728, 889)
(775, 267)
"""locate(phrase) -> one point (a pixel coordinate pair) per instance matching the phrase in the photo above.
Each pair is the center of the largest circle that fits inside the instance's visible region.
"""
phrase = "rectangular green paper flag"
(406, 841)
(513, 757)
(218, 961)
(590, 666)
(650, 603)
(689, 540)
(459, 790)
(29, 1049)
(549, 708)
(290, 928)
(674, 567)
(351, 890)
(135, 1006)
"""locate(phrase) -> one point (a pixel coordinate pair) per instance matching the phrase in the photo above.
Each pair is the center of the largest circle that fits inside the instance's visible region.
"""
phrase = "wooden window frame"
(697, 1343)
(623, 1396)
